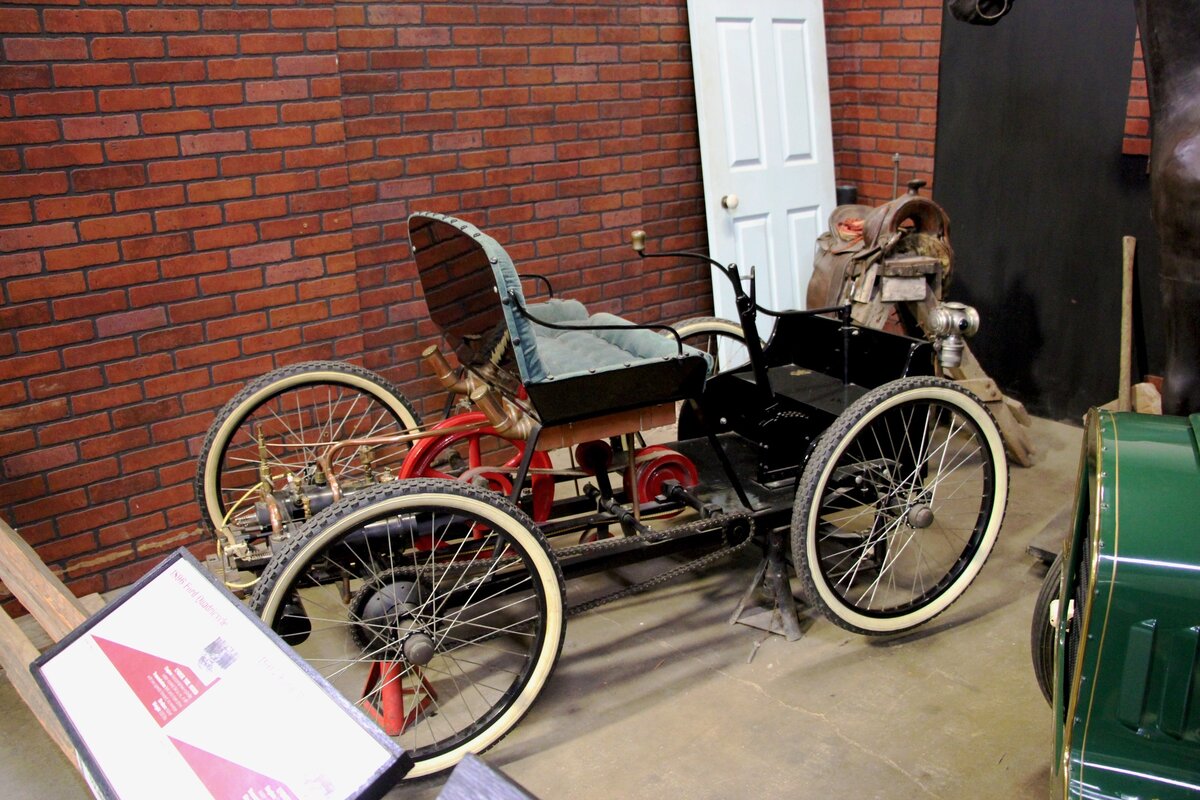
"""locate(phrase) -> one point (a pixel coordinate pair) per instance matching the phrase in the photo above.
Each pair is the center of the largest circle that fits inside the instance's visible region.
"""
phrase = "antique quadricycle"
(421, 568)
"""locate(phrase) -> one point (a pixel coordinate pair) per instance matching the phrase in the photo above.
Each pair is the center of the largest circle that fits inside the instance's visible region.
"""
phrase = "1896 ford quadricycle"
(421, 568)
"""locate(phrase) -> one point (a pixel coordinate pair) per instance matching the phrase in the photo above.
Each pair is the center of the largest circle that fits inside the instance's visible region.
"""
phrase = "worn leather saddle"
(860, 236)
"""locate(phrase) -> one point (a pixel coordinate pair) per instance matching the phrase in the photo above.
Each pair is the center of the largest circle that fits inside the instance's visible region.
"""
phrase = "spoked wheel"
(444, 643)
(1042, 633)
(278, 428)
(725, 343)
(899, 505)
(467, 455)
(720, 338)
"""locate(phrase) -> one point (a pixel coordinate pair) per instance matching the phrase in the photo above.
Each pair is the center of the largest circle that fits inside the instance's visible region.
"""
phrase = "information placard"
(178, 691)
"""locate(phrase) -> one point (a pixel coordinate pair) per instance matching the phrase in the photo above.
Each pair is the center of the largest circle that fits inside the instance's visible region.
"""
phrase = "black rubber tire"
(233, 421)
(475, 619)
(865, 500)
(1042, 634)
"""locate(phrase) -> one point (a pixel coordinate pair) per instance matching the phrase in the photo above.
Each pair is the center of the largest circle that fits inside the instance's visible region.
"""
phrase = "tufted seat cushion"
(583, 371)
(566, 353)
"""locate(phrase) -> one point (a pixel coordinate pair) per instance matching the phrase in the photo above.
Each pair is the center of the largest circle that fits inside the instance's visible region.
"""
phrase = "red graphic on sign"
(229, 781)
(164, 687)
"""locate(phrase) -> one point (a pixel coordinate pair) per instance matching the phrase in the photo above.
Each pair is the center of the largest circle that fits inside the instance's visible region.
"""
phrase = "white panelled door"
(766, 141)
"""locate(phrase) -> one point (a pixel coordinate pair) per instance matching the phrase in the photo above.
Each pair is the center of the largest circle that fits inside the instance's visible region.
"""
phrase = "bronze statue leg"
(1169, 34)
(1175, 184)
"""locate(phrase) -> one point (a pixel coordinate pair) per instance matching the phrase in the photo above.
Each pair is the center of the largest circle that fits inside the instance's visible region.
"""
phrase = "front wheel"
(433, 605)
(899, 506)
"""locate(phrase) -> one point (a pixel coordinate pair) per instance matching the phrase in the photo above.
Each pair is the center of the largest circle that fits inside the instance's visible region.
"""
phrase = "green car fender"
(1126, 680)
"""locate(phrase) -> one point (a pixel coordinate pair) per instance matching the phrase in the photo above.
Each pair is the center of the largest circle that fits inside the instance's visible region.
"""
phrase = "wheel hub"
(418, 649)
(920, 516)
(385, 615)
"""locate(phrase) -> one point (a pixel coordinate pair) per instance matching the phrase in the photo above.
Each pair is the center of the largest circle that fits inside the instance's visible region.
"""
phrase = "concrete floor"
(658, 696)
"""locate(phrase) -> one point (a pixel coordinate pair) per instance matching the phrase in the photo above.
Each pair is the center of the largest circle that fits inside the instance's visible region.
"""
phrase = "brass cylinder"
(509, 421)
(445, 373)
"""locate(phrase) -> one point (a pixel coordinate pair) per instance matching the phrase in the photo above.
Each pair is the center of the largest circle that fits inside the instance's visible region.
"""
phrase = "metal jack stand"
(781, 617)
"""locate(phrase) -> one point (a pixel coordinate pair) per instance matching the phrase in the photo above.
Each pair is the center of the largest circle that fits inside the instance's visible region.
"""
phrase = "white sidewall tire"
(533, 544)
(234, 413)
(934, 389)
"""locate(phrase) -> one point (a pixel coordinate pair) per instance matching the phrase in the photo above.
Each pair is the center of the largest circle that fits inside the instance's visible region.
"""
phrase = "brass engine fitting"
(508, 420)
(951, 323)
(331, 480)
(437, 362)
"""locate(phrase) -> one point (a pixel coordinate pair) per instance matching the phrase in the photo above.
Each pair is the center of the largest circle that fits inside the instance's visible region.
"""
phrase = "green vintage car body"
(1126, 682)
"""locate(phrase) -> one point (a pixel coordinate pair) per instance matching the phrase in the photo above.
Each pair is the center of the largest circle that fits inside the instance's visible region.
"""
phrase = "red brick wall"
(1137, 115)
(174, 201)
(192, 195)
(883, 81)
(530, 121)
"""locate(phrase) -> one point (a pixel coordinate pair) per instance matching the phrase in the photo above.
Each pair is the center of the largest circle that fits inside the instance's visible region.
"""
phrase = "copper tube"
(445, 373)
(326, 465)
(275, 514)
(375, 441)
(509, 422)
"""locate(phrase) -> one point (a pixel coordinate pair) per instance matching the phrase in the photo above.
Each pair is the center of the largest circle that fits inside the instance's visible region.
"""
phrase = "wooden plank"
(1017, 441)
(1010, 414)
(49, 601)
(623, 422)
(1124, 390)
(1018, 411)
(16, 653)
(983, 388)
(1146, 399)
(38, 636)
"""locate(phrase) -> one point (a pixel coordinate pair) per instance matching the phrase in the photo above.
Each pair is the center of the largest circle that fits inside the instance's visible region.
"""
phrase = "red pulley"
(658, 464)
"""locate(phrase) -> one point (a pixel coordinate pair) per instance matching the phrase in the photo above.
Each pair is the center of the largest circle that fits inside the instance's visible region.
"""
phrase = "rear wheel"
(721, 339)
(280, 425)
(725, 345)
(433, 605)
(899, 505)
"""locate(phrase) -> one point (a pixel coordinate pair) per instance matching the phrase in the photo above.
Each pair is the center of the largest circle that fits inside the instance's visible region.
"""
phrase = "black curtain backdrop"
(1031, 115)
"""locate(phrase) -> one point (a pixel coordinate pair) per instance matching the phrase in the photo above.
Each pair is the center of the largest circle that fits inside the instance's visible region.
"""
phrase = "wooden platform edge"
(54, 608)
(16, 654)
(36, 587)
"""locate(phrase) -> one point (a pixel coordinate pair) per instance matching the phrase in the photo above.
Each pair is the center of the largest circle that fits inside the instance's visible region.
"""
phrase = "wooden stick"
(50, 602)
(16, 653)
(1125, 390)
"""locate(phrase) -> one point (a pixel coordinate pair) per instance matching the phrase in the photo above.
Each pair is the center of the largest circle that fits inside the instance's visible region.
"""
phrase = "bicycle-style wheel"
(899, 505)
(279, 425)
(721, 339)
(433, 605)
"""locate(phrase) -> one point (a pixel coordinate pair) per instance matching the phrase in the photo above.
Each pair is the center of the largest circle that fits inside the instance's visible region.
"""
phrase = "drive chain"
(725, 521)
(671, 574)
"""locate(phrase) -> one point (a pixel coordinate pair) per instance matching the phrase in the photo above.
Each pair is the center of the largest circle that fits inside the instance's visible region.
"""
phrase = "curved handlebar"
(637, 241)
